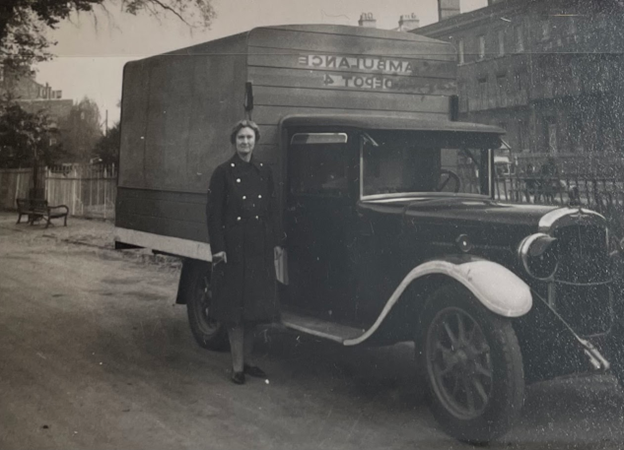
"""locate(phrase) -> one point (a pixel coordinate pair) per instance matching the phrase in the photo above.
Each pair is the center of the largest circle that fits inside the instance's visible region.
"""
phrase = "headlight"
(538, 254)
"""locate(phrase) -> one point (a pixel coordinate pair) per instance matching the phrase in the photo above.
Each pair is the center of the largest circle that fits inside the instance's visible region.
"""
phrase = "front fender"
(496, 287)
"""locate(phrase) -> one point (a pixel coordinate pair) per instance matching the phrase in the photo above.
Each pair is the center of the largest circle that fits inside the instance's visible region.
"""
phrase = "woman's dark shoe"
(255, 371)
(238, 378)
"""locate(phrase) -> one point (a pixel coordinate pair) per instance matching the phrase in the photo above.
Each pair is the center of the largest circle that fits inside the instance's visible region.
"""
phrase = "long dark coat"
(242, 221)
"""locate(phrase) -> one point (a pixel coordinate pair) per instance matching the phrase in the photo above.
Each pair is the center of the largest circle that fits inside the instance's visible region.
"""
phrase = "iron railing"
(602, 194)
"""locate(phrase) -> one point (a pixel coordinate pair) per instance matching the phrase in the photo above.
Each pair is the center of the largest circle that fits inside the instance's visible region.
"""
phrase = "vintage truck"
(386, 200)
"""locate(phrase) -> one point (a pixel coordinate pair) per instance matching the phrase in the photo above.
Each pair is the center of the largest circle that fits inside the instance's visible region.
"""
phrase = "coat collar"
(236, 160)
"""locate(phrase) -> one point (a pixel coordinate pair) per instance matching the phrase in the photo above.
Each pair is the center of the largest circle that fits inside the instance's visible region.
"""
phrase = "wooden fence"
(88, 190)
(14, 184)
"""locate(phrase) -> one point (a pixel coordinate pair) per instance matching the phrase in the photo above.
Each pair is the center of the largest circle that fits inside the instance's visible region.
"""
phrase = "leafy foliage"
(26, 137)
(107, 148)
(80, 130)
(23, 22)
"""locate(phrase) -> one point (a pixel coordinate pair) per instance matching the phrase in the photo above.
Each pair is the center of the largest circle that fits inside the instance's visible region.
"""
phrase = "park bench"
(37, 209)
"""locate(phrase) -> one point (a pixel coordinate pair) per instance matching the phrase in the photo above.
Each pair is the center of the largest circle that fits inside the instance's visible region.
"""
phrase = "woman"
(242, 224)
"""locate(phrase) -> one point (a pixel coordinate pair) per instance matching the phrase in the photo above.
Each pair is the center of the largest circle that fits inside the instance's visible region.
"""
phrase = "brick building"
(548, 71)
(34, 96)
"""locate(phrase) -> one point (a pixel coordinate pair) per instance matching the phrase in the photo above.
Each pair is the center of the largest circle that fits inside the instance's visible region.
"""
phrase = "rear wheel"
(208, 333)
(473, 365)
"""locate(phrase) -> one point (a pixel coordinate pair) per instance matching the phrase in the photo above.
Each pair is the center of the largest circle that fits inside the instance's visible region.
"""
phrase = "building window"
(552, 138)
(523, 133)
(518, 81)
(501, 86)
(482, 92)
(519, 39)
(481, 47)
(461, 51)
(575, 133)
(501, 42)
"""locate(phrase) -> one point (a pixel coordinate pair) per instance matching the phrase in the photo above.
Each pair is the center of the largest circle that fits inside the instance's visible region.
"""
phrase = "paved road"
(93, 354)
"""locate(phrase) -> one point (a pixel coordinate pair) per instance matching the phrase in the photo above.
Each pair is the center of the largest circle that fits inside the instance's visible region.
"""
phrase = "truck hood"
(443, 219)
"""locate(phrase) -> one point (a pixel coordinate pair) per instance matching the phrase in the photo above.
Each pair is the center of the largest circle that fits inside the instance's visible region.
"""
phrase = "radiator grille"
(582, 288)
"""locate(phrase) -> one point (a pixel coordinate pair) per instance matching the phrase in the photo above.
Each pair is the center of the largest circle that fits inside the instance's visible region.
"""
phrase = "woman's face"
(245, 142)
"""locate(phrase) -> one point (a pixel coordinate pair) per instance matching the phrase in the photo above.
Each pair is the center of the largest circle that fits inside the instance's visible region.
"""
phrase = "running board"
(320, 328)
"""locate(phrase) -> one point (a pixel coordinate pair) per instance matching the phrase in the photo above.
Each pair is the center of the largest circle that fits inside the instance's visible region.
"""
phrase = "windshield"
(410, 162)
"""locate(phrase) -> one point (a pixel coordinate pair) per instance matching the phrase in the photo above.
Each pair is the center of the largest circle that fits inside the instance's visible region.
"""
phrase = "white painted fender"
(496, 287)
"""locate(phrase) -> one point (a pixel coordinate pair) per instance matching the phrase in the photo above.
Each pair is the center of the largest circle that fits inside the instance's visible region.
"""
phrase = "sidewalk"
(87, 232)
(96, 233)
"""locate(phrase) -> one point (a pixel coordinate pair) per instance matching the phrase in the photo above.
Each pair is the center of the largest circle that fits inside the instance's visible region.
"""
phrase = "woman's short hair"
(244, 124)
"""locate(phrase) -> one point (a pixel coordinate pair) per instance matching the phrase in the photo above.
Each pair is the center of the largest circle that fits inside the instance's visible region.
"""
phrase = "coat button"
(259, 195)
(238, 218)
(238, 180)
(244, 197)
(256, 217)
(232, 164)
(261, 164)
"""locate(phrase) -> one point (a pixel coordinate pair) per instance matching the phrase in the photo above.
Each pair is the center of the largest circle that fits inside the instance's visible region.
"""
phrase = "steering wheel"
(449, 181)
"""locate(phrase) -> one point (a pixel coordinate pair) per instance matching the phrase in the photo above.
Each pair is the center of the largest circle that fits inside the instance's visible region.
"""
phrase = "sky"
(91, 49)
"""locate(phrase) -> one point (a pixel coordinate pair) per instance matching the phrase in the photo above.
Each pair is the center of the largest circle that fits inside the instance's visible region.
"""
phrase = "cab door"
(320, 214)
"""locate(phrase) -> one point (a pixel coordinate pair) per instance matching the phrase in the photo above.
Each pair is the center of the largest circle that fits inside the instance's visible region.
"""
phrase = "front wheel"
(615, 352)
(473, 365)
(208, 333)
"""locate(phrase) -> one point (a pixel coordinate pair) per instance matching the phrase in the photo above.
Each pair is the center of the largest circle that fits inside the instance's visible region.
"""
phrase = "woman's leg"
(236, 334)
(250, 366)
(250, 335)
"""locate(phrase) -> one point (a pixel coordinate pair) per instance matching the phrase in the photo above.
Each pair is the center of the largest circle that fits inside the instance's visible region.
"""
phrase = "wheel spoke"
(470, 400)
(450, 334)
(461, 329)
(480, 390)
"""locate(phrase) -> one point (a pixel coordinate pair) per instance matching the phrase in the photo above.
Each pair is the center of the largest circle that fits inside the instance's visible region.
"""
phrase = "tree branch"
(170, 9)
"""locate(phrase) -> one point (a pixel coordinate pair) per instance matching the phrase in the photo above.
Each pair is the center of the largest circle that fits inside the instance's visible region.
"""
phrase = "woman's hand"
(277, 252)
(219, 257)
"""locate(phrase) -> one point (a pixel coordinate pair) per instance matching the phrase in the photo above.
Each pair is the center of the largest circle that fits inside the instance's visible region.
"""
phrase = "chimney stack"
(447, 9)
(367, 20)
(408, 22)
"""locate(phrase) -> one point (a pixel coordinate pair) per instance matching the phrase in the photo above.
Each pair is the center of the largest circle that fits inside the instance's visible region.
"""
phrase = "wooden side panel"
(346, 80)
(332, 99)
(341, 42)
(333, 69)
(175, 214)
(271, 114)
(270, 57)
(133, 122)
(177, 111)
